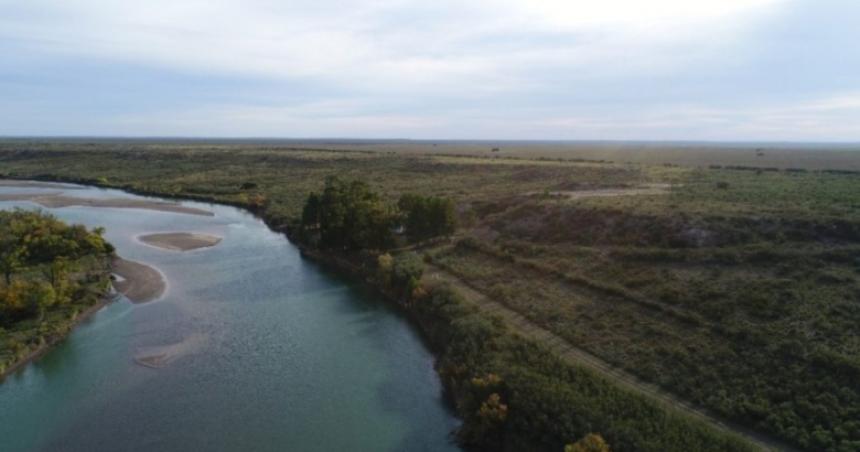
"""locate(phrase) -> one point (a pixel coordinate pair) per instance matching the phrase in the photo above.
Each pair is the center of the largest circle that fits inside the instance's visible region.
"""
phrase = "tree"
(486, 426)
(57, 274)
(56, 271)
(38, 298)
(385, 264)
(406, 271)
(311, 211)
(592, 442)
(11, 256)
(427, 217)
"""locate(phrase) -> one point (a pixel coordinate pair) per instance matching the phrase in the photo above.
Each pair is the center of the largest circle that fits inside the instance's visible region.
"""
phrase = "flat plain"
(728, 277)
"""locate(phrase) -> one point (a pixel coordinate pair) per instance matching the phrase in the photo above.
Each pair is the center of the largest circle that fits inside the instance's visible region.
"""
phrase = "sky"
(713, 70)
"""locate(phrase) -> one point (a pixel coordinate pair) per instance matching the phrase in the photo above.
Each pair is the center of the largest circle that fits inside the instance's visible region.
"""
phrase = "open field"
(735, 289)
(812, 156)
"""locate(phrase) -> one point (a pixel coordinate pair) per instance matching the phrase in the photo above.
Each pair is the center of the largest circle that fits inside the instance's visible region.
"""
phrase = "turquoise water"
(268, 352)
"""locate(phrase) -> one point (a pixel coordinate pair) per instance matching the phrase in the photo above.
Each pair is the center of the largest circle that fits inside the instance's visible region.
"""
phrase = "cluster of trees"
(401, 275)
(591, 442)
(349, 215)
(38, 256)
(426, 217)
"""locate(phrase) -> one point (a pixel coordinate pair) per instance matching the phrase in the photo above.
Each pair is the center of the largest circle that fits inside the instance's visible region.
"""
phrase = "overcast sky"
(529, 69)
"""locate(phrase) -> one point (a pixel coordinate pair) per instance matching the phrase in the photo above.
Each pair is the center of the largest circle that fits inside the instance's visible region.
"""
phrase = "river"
(266, 351)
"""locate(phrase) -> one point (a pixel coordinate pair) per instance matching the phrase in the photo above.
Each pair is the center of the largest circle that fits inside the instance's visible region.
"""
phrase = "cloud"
(384, 41)
(471, 68)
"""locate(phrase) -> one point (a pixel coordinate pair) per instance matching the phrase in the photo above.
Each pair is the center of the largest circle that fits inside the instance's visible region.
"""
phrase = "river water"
(266, 352)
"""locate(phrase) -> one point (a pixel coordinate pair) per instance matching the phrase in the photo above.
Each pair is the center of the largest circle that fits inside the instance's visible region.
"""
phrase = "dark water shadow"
(394, 397)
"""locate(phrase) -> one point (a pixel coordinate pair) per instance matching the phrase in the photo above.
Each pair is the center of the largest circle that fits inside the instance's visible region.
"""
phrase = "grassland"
(736, 289)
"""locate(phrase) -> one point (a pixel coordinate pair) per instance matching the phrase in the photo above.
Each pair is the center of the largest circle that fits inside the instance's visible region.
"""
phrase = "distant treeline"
(761, 169)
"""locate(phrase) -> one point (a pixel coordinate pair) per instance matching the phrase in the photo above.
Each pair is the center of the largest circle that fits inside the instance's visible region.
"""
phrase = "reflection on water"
(251, 348)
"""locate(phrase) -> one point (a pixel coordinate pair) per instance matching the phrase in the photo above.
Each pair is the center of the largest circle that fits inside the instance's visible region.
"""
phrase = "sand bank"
(180, 241)
(139, 282)
(53, 200)
(160, 356)
(37, 184)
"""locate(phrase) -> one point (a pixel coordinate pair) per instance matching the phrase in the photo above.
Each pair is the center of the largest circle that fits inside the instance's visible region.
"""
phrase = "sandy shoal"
(162, 355)
(53, 200)
(36, 184)
(140, 282)
(180, 241)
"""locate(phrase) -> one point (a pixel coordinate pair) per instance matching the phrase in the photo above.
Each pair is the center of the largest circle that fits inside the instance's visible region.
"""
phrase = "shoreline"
(49, 344)
(108, 297)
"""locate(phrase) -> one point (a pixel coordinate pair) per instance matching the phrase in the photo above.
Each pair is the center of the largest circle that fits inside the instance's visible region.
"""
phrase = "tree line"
(349, 215)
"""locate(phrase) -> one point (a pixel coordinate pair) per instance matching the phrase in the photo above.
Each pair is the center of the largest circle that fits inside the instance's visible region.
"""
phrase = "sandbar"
(37, 184)
(55, 200)
(160, 356)
(180, 241)
(139, 282)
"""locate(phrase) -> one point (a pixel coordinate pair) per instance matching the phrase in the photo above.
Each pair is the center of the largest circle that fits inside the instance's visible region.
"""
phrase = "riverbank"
(140, 284)
(745, 253)
(55, 339)
(444, 317)
(551, 402)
